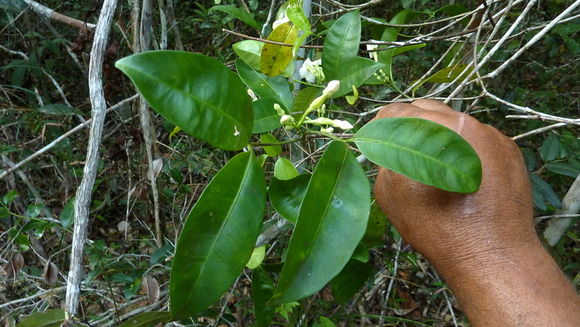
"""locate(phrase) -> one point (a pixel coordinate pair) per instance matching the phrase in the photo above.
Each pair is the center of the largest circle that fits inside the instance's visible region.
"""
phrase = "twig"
(51, 14)
(268, 41)
(32, 297)
(270, 15)
(494, 49)
(535, 39)
(83, 194)
(532, 112)
(59, 139)
(538, 130)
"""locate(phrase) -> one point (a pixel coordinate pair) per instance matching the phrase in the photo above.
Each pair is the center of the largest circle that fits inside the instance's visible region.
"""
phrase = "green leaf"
(304, 97)
(563, 168)
(257, 257)
(57, 109)
(274, 58)
(354, 73)
(147, 319)
(271, 150)
(550, 148)
(67, 215)
(50, 318)
(391, 34)
(218, 236)
(296, 16)
(284, 169)
(286, 196)
(238, 13)
(341, 43)
(422, 150)
(323, 322)
(276, 88)
(262, 290)
(331, 222)
(350, 280)
(265, 117)
(545, 192)
(249, 51)
(448, 75)
(195, 92)
(376, 228)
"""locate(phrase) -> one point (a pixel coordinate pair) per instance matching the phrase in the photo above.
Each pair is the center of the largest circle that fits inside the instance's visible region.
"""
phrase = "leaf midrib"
(343, 160)
(420, 154)
(195, 98)
(211, 251)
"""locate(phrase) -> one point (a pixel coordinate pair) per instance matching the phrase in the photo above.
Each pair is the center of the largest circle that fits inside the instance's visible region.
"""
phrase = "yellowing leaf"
(274, 58)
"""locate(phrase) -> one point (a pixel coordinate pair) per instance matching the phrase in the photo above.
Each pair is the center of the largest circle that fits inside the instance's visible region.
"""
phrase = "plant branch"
(84, 192)
(51, 14)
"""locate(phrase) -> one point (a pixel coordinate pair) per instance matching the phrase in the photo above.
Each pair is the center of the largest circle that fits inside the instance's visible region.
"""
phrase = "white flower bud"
(327, 130)
(287, 120)
(279, 110)
(331, 88)
(252, 95)
(342, 124)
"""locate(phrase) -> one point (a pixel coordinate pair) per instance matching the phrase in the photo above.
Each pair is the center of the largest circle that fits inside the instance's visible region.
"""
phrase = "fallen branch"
(51, 14)
(84, 192)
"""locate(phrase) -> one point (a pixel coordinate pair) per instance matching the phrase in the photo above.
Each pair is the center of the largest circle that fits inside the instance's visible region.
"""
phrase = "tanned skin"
(483, 244)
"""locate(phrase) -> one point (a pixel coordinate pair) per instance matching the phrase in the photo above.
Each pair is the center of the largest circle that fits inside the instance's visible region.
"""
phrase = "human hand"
(484, 243)
(450, 228)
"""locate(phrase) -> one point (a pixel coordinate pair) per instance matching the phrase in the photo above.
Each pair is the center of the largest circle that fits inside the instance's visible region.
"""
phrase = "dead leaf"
(151, 287)
(16, 263)
(50, 273)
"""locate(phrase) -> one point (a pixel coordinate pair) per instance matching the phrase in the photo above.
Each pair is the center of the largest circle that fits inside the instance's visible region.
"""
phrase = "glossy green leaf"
(195, 92)
(262, 290)
(341, 43)
(550, 148)
(50, 318)
(286, 196)
(284, 169)
(147, 319)
(271, 150)
(274, 58)
(218, 237)
(332, 220)
(422, 150)
(265, 117)
(238, 13)
(350, 280)
(276, 88)
(355, 72)
(249, 51)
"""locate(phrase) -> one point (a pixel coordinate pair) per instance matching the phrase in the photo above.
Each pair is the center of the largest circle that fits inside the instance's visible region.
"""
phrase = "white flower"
(374, 55)
(342, 124)
(310, 70)
(279, 110)
(327, 130)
